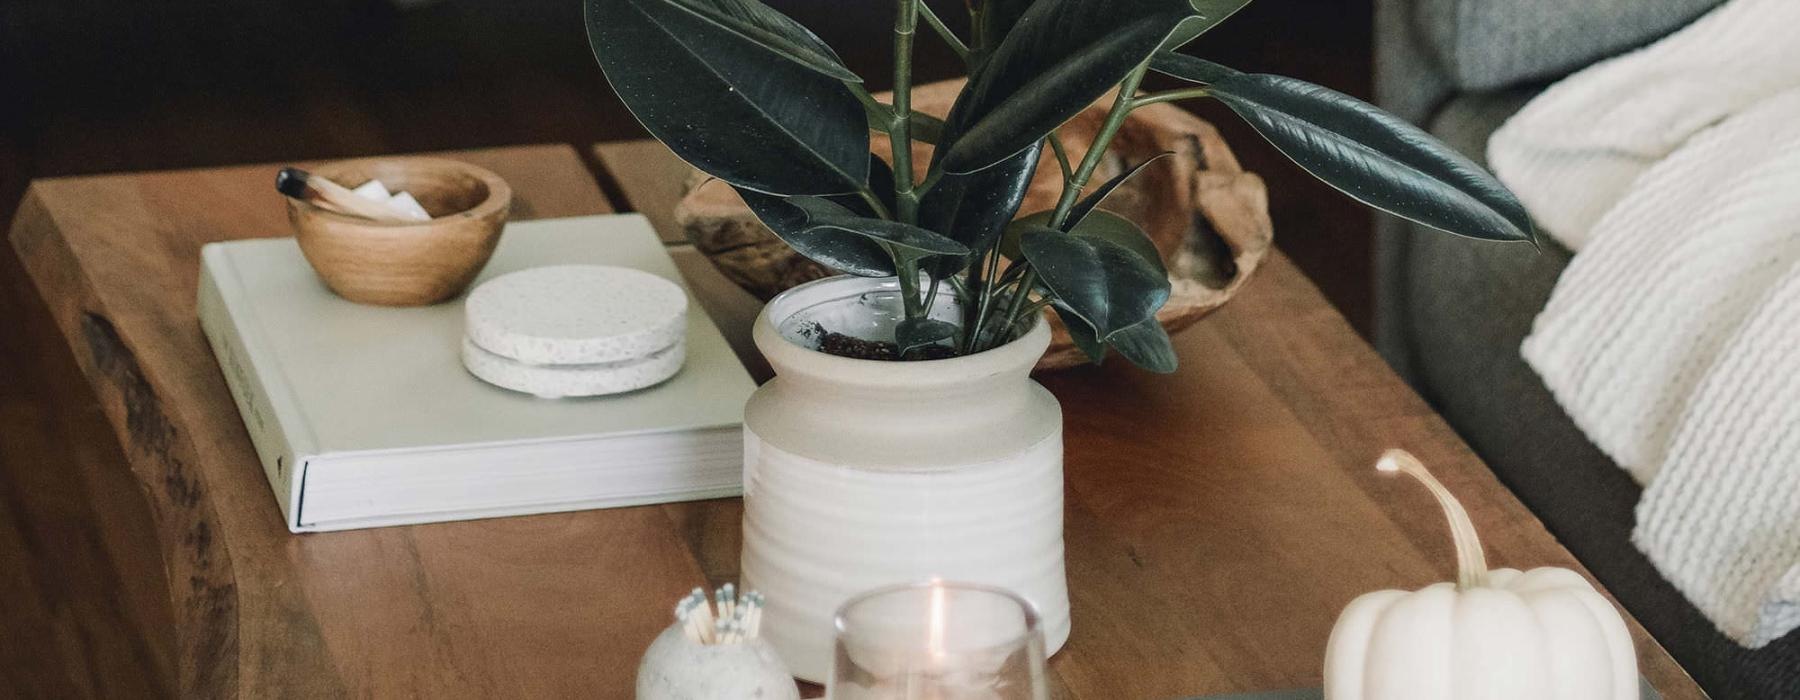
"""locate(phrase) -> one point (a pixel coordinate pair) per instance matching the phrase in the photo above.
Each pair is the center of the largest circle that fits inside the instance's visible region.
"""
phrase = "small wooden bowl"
(405, 264)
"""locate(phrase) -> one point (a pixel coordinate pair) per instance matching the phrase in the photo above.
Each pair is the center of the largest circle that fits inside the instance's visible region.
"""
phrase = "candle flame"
(936, 631)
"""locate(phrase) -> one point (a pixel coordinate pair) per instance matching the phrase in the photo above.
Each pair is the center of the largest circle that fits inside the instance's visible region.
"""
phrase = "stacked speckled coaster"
(575, 330)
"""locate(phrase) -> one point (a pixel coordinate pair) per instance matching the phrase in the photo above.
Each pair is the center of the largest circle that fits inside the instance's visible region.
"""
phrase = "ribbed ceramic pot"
(864, 473)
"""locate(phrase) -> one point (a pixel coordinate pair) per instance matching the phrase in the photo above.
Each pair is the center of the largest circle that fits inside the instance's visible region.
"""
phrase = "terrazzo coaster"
(555, 382)
(576, 315)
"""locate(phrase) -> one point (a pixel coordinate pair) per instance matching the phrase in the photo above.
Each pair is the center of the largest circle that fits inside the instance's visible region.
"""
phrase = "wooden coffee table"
(1217, 519)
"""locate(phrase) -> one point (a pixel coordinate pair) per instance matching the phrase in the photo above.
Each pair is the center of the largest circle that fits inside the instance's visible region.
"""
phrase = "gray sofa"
(1451, 312)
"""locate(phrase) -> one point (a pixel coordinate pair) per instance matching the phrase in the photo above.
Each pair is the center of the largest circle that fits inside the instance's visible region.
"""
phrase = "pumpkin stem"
(1471, 564)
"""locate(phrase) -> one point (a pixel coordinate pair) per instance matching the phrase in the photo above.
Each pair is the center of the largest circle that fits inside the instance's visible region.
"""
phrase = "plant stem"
(1026, 313)
(1072, 186)
(1062, 155)
(1170, 96)
(1013, 270)
(908, 269)
(1015, 306)
(906, 22)
(949, 37)
(985, 300)
(906, 201)
(869, 103)
(874, 201)
(932, 175)
(1115, 118)
(976, 37)
(932, 283)
(1020, 293)
(984, 281)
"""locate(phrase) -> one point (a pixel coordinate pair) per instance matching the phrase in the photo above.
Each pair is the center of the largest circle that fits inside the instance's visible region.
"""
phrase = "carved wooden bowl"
(1208, 217)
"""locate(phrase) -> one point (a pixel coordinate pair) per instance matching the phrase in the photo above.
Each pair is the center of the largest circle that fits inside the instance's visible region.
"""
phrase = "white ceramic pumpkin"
(1543, 634)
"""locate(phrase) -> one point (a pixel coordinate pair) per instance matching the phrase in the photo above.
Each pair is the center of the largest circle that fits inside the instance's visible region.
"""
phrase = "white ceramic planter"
(861, 473)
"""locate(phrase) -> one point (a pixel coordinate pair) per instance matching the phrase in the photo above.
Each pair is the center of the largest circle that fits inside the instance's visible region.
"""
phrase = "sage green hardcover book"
(363, 416)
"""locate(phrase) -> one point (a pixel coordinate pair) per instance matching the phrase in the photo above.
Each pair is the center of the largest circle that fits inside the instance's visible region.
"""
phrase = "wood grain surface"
(1217, 518)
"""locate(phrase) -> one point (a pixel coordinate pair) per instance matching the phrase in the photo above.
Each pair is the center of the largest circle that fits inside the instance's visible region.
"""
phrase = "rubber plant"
(751, 97)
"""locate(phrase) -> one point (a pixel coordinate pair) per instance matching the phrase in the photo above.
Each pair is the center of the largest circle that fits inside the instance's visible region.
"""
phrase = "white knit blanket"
(1673, 339)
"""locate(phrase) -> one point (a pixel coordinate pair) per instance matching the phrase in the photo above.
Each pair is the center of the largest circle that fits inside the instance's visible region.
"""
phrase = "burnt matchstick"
(322, 192)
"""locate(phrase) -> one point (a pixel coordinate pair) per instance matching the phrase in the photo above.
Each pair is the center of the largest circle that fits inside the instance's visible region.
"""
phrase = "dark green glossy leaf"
(1375, 157)
(881, 180)
(993, 19)
(1146, 345)
(1060, 57)
(922, 126)
(848, 252)
(1083, 334)
(903, 238)
(1192, 68)
(762, 25)
(1100, 224)
(1212, 12)
(973, 209)
(914, 333)
(1109, 285)
(1113, 228)
(728, 105)
(1009, 237)
(1087, 204)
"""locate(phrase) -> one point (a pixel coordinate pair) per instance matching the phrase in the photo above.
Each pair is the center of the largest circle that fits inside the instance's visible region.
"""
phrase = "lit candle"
(937, 641)
(936, 632)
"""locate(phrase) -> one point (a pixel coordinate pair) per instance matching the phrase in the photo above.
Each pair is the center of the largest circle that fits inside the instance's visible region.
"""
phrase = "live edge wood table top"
(1217, 519)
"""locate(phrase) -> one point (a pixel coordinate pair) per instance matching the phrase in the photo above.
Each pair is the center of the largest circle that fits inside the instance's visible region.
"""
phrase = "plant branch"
(906, 201)
(907, 268)
(1030, 309)
(869, 103)
(1072, 186)
(1062, 155)
(1013, 270)
(956, 285)
(874, 202)
(986, 301)
(1004, 318)
(906, 22)
(1019, 295)
(971, 292)
(1025, 314)
(932, 175)
(996, 288)
(949, 37)
(1170, 96)
(1115, 118)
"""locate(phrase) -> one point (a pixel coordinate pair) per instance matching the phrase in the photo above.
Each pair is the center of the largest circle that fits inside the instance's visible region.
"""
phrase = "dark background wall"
(90, 86)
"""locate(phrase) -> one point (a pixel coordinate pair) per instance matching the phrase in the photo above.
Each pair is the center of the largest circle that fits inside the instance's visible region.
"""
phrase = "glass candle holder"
(938, 641)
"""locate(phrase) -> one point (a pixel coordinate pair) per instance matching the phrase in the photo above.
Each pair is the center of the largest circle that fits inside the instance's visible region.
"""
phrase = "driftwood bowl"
(410, 263)
(1208, 217)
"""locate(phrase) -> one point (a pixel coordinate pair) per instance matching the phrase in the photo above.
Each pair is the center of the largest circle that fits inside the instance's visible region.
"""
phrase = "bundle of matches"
(738, 618)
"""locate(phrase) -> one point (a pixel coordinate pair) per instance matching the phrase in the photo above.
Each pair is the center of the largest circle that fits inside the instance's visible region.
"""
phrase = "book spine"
(283, 460)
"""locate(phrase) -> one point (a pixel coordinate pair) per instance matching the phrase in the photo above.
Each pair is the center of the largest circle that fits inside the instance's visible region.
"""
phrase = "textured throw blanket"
(1673, 339)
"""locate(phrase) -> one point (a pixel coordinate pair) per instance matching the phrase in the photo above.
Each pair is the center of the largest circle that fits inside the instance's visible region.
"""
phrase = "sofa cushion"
(1486, 44)
(1464, 307)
